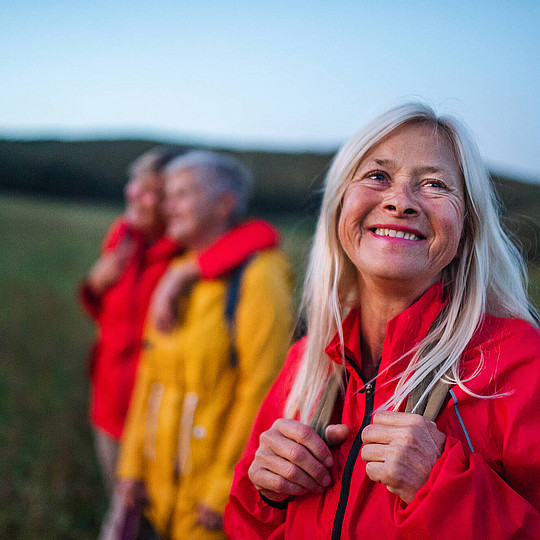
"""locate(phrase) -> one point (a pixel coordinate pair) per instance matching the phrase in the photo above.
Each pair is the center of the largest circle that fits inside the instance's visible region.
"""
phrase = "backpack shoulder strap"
(323, 412)
(233, 292)
(430, 407)
(432, 404)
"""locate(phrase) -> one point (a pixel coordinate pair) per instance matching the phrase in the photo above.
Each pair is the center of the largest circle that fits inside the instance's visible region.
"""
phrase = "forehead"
(416, 145)
(187, 181)
(148, 180)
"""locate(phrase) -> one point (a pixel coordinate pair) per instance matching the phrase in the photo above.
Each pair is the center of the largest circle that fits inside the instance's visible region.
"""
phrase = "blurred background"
(87, 87)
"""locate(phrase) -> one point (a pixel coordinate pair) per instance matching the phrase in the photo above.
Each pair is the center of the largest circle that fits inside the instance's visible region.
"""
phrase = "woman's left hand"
(400, 450)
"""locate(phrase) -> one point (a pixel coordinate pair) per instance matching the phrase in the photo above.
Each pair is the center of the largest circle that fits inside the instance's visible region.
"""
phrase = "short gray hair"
(222, 173)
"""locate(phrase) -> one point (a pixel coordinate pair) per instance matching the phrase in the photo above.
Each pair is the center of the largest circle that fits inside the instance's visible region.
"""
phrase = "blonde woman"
(412, 287)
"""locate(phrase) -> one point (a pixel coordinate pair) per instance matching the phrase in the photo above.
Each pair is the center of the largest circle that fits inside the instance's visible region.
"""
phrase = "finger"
(305, 436)
(395, 418)
(294, 457)
(374, 452)
(380, 434)
(295, 463)
(375, 471)
(336, 434)
(266, 480)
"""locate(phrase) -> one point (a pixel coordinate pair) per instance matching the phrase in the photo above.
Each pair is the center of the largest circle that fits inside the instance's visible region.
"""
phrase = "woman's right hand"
(110, 266)
(293, 460)
(176, 281)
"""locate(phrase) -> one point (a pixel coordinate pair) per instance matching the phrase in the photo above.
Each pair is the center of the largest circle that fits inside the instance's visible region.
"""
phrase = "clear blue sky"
(277, 74)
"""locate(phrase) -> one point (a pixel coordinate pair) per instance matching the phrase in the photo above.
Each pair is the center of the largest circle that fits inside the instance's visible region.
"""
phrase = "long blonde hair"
(488, 277)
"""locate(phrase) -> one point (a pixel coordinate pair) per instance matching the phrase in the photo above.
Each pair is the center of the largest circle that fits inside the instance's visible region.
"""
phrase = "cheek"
(451, 223)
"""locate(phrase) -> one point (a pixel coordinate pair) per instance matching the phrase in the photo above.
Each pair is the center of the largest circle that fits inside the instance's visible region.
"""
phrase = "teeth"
(397, 234)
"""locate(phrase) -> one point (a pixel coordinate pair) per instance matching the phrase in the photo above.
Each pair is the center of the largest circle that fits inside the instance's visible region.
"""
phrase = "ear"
(226, 204)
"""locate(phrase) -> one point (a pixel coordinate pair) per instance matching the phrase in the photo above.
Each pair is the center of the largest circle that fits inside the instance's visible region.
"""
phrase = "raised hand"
(177, 281)
(400, 450)
(111, 265)
(293, 460)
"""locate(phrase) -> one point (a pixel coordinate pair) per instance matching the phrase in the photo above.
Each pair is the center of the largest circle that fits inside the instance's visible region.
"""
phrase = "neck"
(201, 243)
(380, 303)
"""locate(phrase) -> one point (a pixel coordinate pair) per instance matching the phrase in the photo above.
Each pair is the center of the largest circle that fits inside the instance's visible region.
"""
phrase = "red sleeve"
(114, 235)
(88, 300)
(236, 246)
(469, 497)
(246, 514)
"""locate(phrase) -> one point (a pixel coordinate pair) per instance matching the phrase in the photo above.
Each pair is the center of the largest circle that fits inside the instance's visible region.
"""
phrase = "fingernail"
(326, 481)
(329, 461)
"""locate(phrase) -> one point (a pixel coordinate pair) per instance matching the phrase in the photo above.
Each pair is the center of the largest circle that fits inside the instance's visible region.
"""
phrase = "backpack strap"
(429, 408)
(233, 292)
(432, 404)
(323, 412)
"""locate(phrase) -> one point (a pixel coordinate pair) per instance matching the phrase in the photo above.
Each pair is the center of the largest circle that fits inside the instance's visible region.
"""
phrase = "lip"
(396, 227)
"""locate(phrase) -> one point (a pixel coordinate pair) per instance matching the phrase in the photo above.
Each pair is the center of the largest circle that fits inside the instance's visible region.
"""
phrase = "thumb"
(336, 434)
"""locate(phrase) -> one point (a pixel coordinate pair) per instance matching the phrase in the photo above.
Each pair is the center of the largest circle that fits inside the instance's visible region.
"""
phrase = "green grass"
(49, 480)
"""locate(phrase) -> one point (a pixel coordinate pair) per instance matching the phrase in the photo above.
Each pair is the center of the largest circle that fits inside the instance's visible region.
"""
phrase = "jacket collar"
(403, 332)
(163, 249)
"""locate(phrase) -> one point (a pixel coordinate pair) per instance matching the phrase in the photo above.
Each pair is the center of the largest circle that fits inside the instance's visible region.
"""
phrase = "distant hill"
(97, 170)
(284, 182)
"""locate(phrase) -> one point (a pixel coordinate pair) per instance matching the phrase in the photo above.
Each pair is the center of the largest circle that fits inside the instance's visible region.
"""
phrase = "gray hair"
(222, 173)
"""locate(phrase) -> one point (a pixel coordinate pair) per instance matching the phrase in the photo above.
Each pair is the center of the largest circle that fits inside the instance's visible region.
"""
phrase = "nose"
(401, 202)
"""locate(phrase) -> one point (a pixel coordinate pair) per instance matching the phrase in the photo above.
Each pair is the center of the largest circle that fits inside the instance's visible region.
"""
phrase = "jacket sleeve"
(90, 301)
(131, 458)
(236, 246)
(263, 332)
(469, 496)
(246, 514)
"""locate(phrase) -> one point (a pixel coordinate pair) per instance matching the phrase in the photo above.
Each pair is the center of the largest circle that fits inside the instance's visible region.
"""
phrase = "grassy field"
(49, 481)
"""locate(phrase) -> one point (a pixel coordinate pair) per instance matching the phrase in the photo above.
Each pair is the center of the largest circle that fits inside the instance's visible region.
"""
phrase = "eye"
(438, 184)
(377, 176)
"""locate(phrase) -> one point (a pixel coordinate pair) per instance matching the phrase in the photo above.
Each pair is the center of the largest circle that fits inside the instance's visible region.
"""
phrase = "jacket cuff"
(280, 505)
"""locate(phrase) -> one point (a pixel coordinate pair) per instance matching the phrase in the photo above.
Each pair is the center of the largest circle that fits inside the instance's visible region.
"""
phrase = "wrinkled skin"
(400, 450)
(293, 460)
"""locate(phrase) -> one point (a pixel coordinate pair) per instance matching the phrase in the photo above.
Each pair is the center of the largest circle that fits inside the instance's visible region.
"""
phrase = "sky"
(287, 75)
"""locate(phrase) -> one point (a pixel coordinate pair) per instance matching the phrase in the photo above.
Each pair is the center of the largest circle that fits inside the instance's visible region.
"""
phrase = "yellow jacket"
(191, 410)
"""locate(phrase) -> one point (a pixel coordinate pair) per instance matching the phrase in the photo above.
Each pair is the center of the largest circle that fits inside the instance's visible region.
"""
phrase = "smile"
(396, 234)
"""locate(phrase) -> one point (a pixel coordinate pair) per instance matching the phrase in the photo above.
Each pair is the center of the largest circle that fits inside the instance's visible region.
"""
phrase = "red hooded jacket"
(486, 484)
(120, 312)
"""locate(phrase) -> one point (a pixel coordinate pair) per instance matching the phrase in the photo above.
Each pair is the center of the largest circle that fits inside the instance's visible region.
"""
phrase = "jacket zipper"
(369, 389)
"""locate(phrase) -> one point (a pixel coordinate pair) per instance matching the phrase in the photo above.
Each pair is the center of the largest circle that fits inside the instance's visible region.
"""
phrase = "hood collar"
(403, 332)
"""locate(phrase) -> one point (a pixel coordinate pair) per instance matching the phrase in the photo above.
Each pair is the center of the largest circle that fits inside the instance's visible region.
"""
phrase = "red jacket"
(120, 312)
(492, 492)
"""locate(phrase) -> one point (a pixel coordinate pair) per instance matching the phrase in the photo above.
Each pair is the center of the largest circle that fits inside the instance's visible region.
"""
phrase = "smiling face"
(143, 195)
(195, 215)
(402, 213)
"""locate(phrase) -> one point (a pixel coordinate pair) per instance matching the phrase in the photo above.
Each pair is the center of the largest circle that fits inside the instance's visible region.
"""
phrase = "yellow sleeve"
(131, 458)
(263, 332)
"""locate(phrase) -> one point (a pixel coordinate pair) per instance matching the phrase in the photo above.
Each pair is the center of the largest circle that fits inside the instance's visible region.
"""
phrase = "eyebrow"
(421, 170)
